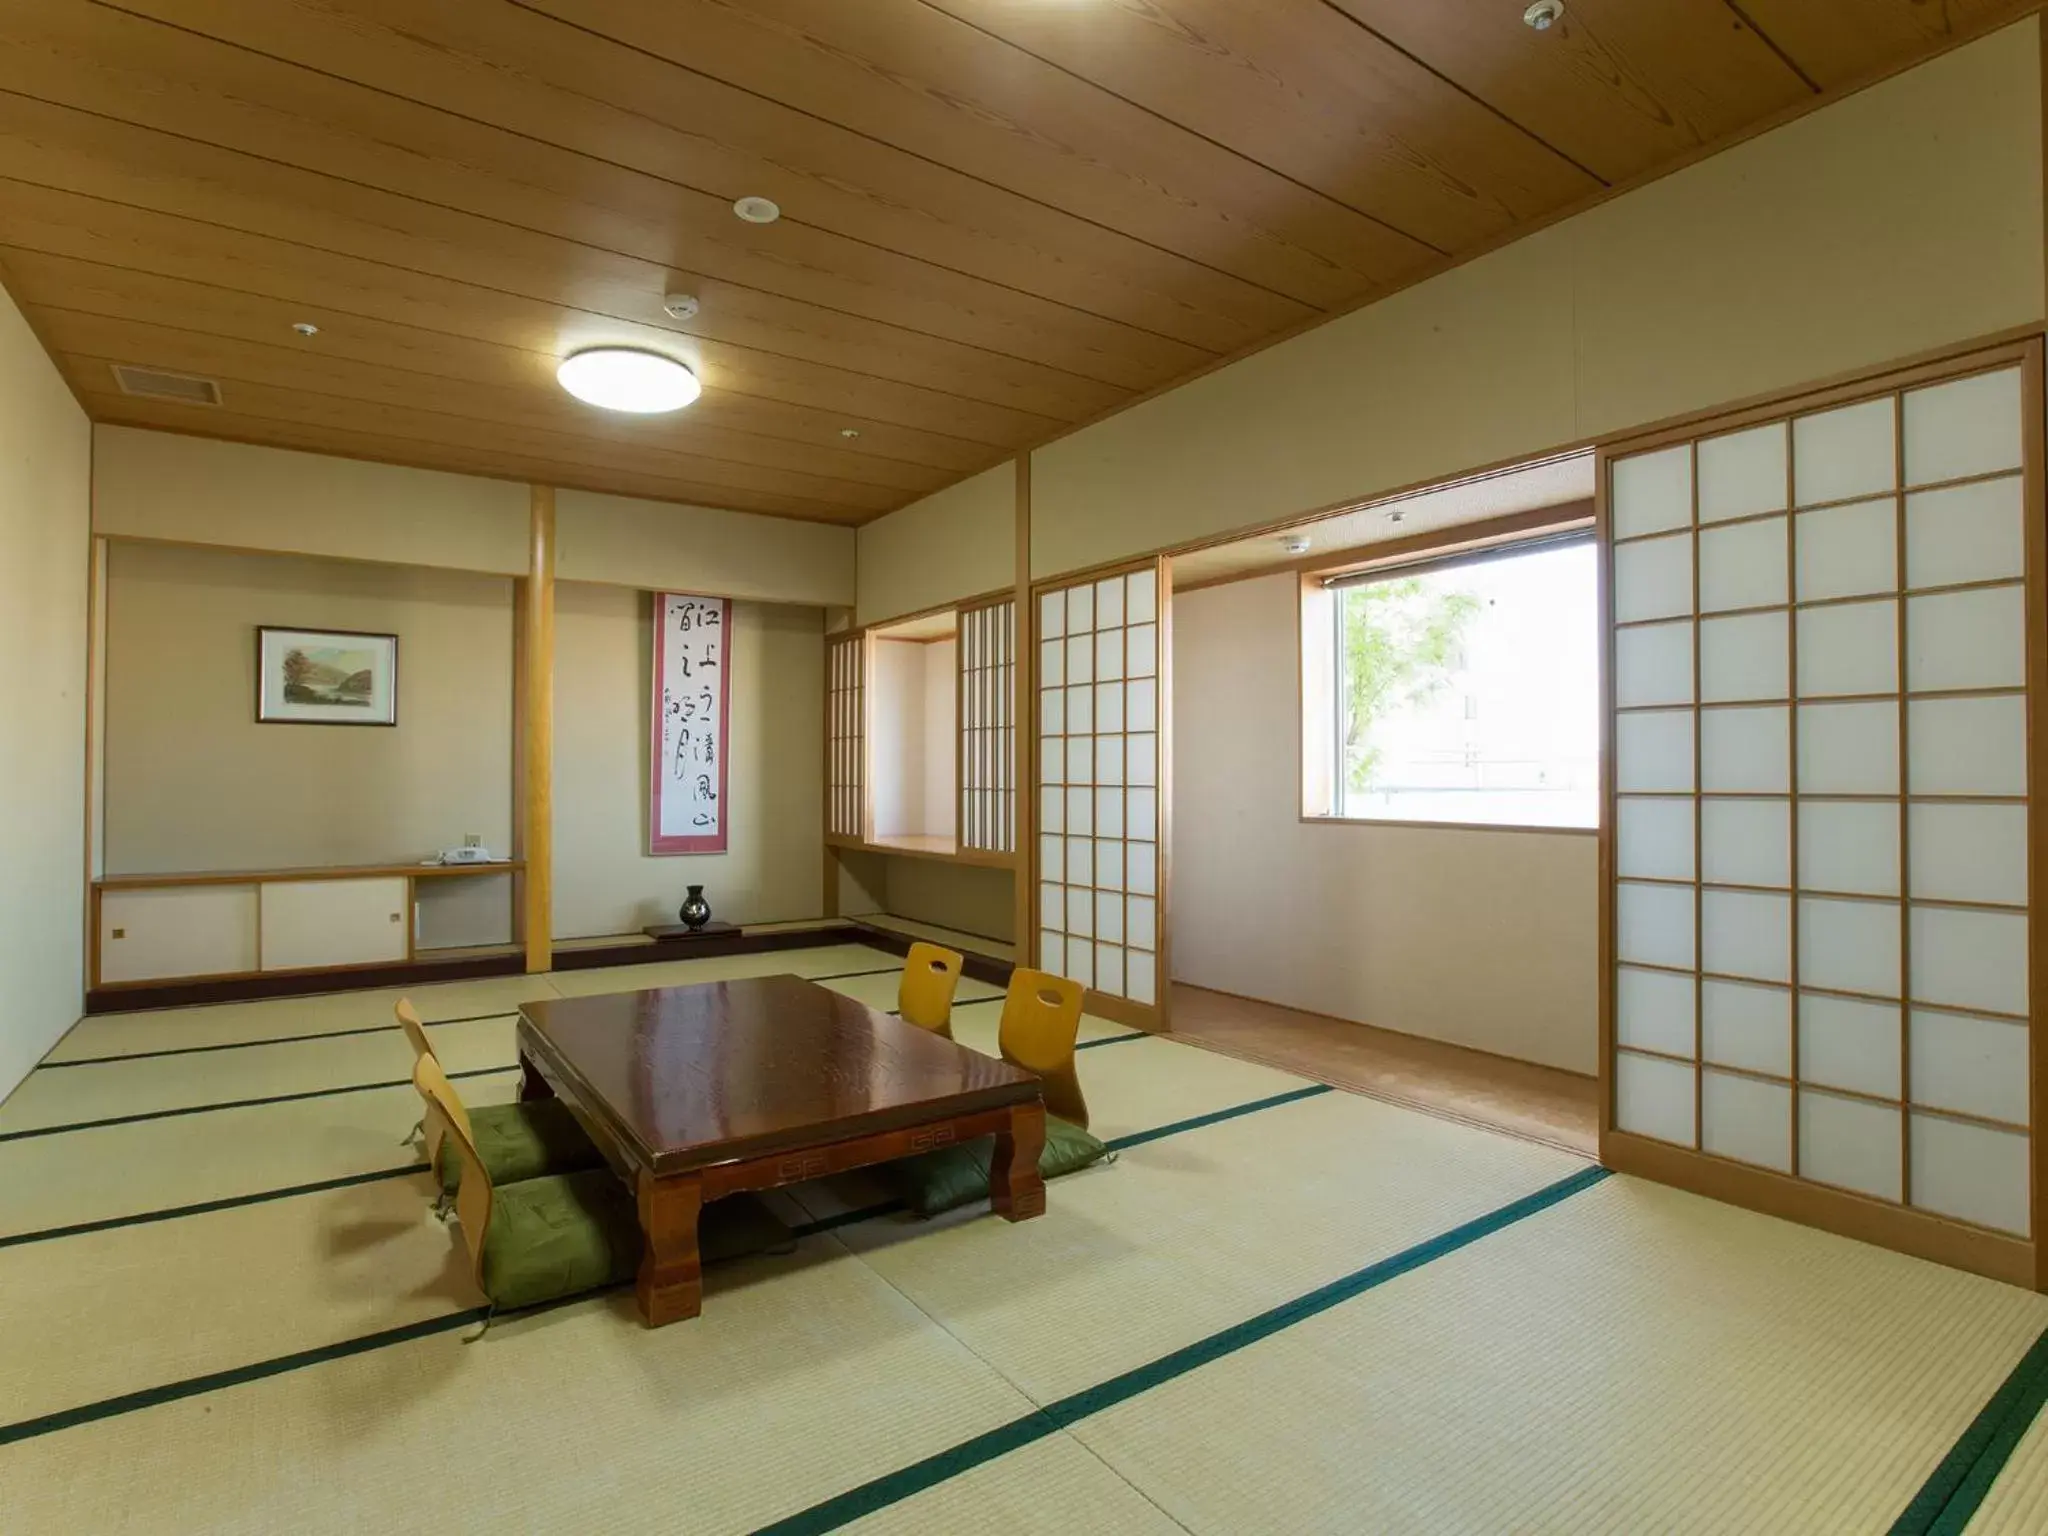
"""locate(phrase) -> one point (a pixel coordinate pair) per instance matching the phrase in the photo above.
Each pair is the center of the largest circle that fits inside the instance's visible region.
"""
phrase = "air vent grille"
(155, 384)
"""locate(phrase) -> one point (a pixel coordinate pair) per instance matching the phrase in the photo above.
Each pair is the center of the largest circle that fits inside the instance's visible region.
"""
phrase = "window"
(1463, 689)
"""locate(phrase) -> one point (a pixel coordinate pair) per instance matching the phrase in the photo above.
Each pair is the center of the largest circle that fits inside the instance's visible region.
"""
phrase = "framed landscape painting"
(325, 677)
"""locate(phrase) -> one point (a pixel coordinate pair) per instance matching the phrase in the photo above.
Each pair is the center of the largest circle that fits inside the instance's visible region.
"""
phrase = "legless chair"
(925, 997)
(1041, 1021)
(514, 1141)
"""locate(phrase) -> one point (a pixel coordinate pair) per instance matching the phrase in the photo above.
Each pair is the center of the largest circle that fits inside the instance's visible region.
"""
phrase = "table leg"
(671, 1285)
(531, 1084)
(1015, 1185)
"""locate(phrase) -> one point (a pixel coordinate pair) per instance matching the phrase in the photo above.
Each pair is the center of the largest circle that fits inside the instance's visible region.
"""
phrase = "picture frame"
(325, 677)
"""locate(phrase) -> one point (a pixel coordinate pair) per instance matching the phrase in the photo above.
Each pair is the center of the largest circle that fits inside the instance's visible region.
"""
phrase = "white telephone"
(472, 851)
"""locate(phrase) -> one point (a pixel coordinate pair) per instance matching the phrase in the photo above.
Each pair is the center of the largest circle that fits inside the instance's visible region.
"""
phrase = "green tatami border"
(1055, 1417)
(1956, 1488)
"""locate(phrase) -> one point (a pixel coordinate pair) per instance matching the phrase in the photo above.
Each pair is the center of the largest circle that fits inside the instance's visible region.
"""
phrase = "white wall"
(45, 539)
(1901, 219)
(941, 778)
(955, 543)
(1481, 938)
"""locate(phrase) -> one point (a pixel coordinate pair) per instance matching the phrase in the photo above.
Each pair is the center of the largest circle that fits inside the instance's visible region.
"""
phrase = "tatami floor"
(224, 1306)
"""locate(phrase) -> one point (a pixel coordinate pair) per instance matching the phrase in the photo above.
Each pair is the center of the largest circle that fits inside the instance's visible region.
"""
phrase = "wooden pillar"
(1024, 713)
(537, 745)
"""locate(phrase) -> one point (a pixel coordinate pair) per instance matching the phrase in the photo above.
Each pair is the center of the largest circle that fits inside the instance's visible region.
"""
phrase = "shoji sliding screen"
(1100, 866)
(846, 737)
(1826, 649)
(988, 736)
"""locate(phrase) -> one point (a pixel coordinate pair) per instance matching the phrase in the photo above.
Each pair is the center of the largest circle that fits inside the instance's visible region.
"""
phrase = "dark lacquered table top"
(691, 1076)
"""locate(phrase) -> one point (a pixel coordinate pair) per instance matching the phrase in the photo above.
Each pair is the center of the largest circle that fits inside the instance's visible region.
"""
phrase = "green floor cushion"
(933, 1182)
(564, 1233)
(523, 1141)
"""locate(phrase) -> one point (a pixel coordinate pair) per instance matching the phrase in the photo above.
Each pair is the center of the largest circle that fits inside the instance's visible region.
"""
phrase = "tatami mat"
(1052, 1488)
(103, 1090)
(952, 938)
(802, 1376)
(114, 1171)
(1195, 1232)
(1633, 1359)
(170, 1029)
(879, 991)
(2017, 1502)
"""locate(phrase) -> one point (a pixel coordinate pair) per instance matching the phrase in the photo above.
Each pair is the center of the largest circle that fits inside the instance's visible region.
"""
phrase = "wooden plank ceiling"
(1000, 217)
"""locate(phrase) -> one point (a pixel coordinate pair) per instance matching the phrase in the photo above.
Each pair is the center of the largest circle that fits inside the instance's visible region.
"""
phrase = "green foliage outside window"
(1403, 642)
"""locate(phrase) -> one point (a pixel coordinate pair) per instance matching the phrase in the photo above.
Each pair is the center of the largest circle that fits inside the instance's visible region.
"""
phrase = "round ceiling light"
(628, 379)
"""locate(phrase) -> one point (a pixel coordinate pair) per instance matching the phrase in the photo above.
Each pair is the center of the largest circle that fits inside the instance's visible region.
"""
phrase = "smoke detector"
(679, 306)
(1295, 543)
(1544, 14)
(307, 328)
(757, 210)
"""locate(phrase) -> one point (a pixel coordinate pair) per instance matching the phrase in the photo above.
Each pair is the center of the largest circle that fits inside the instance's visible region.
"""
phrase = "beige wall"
(963, 896)
(1483, 938)
(955, 543)
(189, 490)
(666, 547)
(45, 479)
(193, 782)
(1901, 219)
(605, 882)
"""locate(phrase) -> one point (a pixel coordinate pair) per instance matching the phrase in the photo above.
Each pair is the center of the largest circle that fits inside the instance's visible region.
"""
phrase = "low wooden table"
(694, 1093)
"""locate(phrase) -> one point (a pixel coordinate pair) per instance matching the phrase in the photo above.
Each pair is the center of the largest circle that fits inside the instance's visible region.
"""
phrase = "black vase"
(696, 910)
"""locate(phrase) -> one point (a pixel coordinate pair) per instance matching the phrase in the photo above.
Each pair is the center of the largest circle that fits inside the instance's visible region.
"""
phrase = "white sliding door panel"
(1825, 640)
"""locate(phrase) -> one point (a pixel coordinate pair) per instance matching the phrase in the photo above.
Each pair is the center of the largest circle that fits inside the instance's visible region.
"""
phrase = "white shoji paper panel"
(1850, 1143)
(1967, 746)
(1970, 959)
(1969, 852)
(1748, 1026)
(846, 794)
(1743, 473)
(1745, 1119)
(1654, 1097)
(1654, 924)
(1971, 1172)
(1651, 492)
(1844, 453)
(1966, 533)
(1746, 657)
(1848, 648)
(1741, 566)
(1653, 664)
(1653, 751)
(1746, 750)
(1654, 838)
(1099, 773)
(1850, 551)
(988, 799)
(1653, 578)
(1965, 427)
(1653, 1010)
(1849, 946)
(1847, 1043)
(1975, 639)
(1973, 1065)
(1746, 934)
(1849, 845)
(1746, 842)
(1849, 749)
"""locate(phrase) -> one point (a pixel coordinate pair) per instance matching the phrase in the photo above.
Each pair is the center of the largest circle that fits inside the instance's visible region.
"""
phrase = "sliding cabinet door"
(1821, 967)
(1102, 782)
(988, 736)
(846, 795)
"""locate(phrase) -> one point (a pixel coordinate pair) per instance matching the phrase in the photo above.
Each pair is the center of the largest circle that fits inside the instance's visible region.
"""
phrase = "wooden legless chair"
(925, 995)
(422, 1048)
(1041, 1023)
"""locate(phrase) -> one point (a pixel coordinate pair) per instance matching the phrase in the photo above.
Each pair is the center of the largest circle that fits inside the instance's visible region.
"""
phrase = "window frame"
(1319, 667)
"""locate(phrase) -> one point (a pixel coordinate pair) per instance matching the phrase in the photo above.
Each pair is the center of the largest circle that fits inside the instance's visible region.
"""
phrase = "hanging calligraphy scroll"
(692, 708)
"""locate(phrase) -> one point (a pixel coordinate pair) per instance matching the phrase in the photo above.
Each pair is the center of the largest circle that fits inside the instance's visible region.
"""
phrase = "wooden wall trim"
(1024, 714)
(537, 806)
